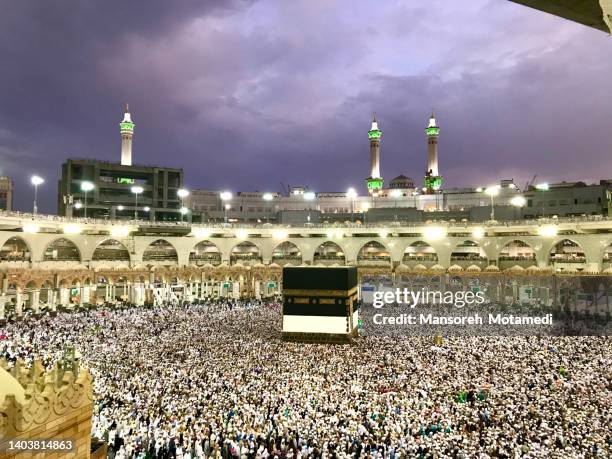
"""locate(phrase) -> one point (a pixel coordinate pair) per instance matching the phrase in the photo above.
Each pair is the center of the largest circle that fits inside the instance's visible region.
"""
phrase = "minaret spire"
(433, 180)
(127, 132)
(374, 182)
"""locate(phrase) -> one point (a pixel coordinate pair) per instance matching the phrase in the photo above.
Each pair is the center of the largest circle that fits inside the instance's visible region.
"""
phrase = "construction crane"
(531, 182)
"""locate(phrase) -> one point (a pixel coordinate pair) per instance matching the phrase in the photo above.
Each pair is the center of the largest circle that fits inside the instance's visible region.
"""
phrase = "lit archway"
(287, 252)
(374, 252)
(468, 253)
(516, 253)
(160, 251)
(329, 253)
(203, 253)
(607, 257)
(567, 254)
(15, 249)
(245, 252)
(62, 250)
(111, 250)
(420, 252)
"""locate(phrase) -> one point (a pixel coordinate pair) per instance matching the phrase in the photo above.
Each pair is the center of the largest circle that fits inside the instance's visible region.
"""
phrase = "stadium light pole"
(542, 187)
(309, 196)
(136, 190)
(86, 187)
(36, 181)
(518, 202)
(395, 194)
(225, 196)
(492, 191)
(352, 194)
(182, 194)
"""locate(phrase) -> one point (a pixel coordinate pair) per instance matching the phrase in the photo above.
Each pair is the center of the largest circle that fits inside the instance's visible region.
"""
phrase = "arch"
(287, 252)
(245, 251)
(468, 251)
(61, 249)
(567, 254)
(32, 285)
(607, 256)
(102, 280)
(329, 252)
(516, 253)
(111, 250)
(15, 249)
(420, 252)
(160, 250)
(205, 252)
(46, 292)
(374, 251)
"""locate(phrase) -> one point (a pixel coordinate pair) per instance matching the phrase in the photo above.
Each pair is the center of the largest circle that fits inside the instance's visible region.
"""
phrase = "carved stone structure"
(40, 405)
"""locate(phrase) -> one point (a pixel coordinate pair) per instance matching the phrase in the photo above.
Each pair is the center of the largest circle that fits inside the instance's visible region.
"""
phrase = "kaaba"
(320, 304)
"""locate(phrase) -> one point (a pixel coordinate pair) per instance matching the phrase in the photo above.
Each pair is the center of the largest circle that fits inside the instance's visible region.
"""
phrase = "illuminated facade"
(47, 262)
(112, 196)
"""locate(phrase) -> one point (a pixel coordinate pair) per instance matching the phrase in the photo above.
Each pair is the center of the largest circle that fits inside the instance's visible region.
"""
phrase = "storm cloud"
(246, 95)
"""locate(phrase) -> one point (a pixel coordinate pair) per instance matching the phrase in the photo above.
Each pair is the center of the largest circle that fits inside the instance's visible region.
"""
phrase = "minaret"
(127, 131)
(374, 182)
(433, 180)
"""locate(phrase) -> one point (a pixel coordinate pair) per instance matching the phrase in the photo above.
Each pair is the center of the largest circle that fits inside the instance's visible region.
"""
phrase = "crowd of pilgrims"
(216, 380)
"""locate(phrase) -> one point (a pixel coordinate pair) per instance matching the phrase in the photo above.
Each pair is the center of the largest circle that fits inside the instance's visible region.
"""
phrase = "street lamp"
(225, 196)
(492, 191)
(182, 194)
(352, 194)
(518, 202)
(309, 196)
(78, 205)
(36, 180)
(542, 187)
(86, 187)
(395, 194)
(414, 195)
(136, 190)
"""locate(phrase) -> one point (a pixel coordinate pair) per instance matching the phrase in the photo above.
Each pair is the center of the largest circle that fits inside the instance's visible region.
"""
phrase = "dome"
(401, 181)
(10, 386)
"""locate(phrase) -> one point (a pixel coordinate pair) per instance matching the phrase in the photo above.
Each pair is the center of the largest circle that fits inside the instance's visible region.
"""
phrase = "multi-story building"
(567, 199)
(112, 194)
(6, 193)
(103, 189)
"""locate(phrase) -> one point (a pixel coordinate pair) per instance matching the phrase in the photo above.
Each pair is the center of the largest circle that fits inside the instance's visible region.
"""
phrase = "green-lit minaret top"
(374, 132)
(432, 128)
(127, 127)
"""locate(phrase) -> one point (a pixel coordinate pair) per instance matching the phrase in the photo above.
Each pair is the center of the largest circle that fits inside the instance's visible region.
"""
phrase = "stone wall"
(57, 405)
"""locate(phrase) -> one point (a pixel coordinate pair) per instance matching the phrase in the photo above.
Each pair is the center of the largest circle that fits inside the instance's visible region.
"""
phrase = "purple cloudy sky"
(245, 95)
